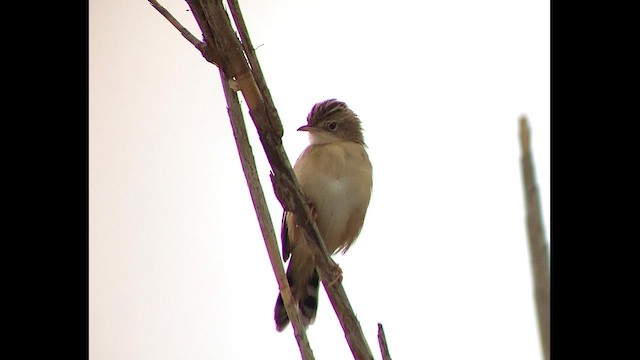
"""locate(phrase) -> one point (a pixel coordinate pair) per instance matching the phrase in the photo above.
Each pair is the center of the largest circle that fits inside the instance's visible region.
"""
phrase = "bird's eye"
(332, 125)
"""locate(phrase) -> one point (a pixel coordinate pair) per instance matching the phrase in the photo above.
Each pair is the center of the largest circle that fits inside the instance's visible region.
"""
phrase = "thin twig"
(382, 341)
(538, 252)
(258, 75)
(185, 33)
(262, 213)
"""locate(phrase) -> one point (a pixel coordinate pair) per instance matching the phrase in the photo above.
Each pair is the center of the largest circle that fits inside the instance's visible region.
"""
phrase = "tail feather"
(305, 296)
(281, 317)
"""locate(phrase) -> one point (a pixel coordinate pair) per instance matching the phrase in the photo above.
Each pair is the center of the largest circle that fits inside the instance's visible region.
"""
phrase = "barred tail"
(305, 295)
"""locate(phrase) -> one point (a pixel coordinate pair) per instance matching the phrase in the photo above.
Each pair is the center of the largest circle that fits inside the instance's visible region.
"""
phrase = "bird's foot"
(234, 84)
(336, 271)
(313, 214)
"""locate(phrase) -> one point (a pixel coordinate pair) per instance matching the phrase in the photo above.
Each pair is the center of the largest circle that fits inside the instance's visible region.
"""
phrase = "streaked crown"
(334, 119)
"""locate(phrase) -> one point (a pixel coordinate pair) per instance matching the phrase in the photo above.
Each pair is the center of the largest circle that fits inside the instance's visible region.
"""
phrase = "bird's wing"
(284, 236)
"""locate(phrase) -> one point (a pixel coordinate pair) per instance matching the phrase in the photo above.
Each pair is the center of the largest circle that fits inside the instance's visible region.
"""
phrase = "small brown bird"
(335, 175)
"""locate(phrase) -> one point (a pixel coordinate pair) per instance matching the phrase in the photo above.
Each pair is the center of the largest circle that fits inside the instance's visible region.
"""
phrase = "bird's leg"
(313, 214)
(336, 271)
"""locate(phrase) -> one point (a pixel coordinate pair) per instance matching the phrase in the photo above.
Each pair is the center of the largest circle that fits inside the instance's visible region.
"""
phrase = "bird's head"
(332, 121)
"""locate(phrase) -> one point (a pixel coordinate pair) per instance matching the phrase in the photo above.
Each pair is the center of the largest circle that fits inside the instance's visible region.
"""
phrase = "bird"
(335, 175)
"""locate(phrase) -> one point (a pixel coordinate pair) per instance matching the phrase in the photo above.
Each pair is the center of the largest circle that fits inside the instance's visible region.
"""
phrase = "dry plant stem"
(224, 49)
(250, 52)
(538, 252)
(187, 35)
(264, 218)
(382, 341)
(288, 191)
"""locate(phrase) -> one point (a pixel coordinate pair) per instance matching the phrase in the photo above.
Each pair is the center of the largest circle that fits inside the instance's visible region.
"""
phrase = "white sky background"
(178, 268)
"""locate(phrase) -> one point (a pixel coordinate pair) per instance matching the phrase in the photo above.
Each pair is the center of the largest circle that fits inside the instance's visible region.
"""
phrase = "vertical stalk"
(539, 255)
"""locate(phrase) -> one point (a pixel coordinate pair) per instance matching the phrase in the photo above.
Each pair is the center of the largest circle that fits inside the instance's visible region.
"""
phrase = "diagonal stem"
(262, 213)
(185, 33)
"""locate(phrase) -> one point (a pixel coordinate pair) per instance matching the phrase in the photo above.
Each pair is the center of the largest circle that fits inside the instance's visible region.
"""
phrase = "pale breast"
(337, 179)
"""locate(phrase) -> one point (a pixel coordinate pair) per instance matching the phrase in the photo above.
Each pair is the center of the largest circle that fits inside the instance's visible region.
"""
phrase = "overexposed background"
(177, 265)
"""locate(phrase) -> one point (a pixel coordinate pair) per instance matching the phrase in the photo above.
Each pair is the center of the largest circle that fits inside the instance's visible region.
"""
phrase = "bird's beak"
(306, 128)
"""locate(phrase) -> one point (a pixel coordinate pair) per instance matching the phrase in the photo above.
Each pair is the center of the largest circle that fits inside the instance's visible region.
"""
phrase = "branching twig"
(223, 46)
(185, 33)
(537, 245)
